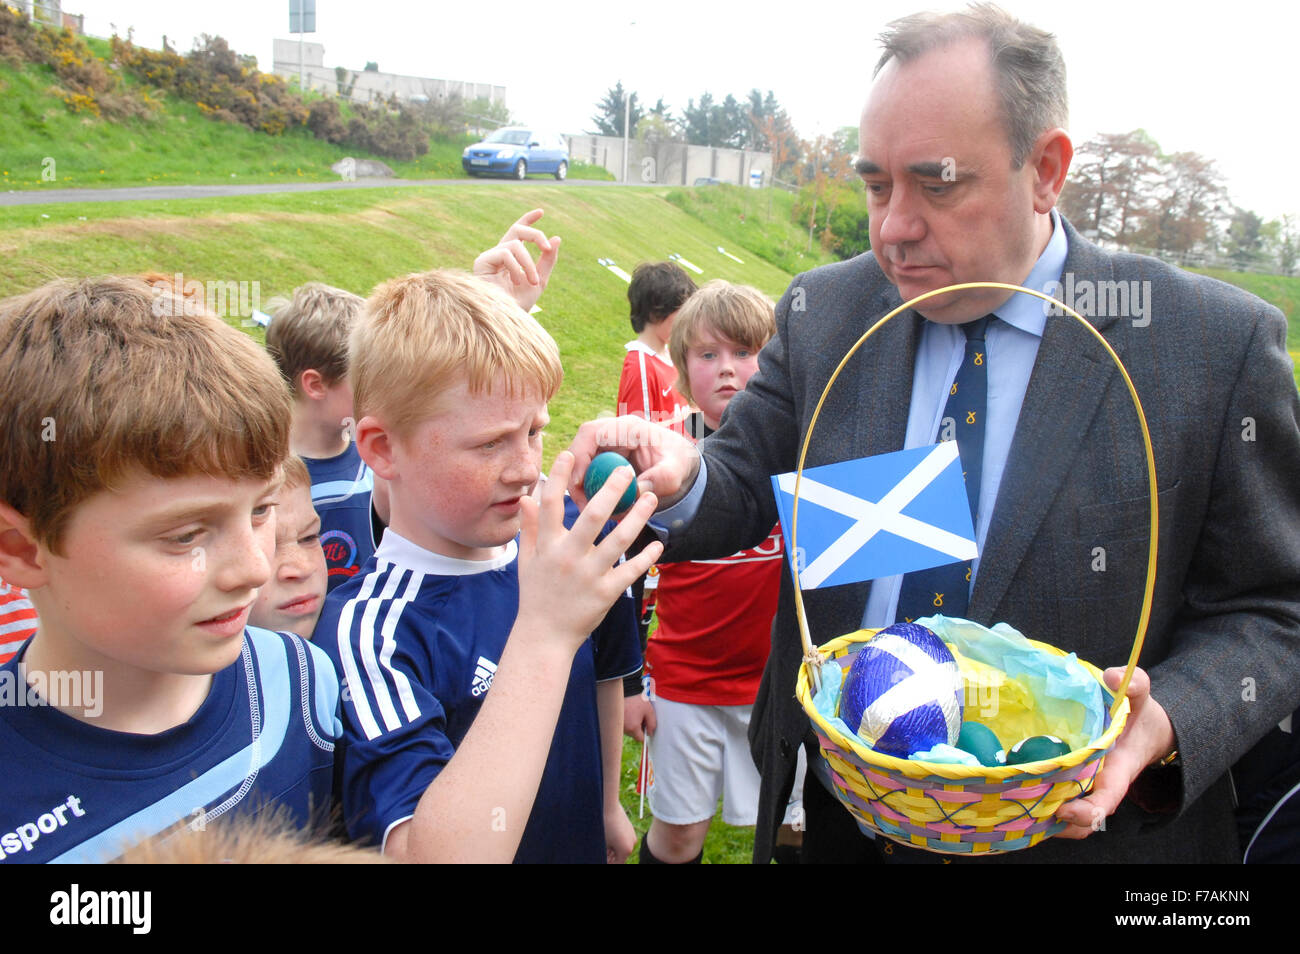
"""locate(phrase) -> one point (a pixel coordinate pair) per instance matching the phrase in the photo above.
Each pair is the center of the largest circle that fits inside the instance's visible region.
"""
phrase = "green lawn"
(725, 844)
(356, 238)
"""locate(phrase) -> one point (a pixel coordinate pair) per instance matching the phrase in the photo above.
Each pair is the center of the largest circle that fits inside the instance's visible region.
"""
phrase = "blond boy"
(462, 743)
(144, 439)
(291, 600)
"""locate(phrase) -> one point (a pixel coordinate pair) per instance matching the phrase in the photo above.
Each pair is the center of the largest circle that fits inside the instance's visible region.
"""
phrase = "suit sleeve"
(1232, 671)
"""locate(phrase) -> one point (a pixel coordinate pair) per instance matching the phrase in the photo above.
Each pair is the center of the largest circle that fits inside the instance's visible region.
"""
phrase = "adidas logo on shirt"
(483, 673)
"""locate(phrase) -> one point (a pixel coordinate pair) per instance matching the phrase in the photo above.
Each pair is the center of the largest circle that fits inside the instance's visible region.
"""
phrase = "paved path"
(155, 193)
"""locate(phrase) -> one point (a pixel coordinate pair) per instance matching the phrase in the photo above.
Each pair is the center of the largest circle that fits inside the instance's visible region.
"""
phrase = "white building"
(364, 87)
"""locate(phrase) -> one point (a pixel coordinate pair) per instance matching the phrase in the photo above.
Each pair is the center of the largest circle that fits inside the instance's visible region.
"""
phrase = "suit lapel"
(1070, 377)
(883, 385)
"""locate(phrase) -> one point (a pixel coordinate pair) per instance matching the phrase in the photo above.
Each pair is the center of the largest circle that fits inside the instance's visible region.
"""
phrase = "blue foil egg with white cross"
(903, 693)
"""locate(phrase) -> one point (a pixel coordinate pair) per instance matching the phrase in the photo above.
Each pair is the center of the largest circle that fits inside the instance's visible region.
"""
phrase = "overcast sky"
(1214, 78)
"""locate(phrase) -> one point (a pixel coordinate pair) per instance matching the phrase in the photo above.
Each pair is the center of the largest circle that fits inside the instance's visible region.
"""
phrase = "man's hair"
(739, 313)
(295, 473)
(422, 334)
(1028, 68)
(311, 332)
(656, 291)
(104, 378)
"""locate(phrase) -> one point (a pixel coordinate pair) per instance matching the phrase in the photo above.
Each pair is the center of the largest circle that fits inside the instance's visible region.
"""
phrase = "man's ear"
(1050, 160)
(20, 555)
(375, 444)
(312, 384)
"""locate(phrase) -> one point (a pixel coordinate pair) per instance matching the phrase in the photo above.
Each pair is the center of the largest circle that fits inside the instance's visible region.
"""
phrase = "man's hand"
(1147, 737)
(620, 836)
(638, 717)
(509, 266)
(666, 462)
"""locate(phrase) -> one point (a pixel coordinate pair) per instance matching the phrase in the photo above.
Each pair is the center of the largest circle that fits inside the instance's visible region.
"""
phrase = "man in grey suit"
(963, 153)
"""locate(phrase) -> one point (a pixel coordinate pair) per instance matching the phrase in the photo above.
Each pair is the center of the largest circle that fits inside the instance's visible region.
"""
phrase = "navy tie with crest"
(946, 589)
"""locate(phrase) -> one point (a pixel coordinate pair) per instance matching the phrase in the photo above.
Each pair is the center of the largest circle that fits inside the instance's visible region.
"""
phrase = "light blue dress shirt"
(1012, 349)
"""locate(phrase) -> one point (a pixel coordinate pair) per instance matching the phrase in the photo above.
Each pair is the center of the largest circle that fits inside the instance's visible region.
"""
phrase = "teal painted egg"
(980, 741)
(1036, 748)
(598, 472)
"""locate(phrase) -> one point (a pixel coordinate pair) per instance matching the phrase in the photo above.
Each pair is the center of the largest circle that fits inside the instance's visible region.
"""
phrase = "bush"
(840, 218)
(228, 87)
(86, 85)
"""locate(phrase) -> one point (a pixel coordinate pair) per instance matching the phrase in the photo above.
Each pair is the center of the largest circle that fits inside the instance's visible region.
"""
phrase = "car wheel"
(561, 171)
(521, 169)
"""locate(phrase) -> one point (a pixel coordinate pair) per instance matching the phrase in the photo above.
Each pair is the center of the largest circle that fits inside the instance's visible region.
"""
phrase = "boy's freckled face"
(461, 473)
(160, 574)
(292, 598)
(718, 369)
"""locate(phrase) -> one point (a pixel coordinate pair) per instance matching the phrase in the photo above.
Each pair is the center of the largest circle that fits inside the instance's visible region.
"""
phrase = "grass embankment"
(356, 238)
(757, 219)
(178, 145)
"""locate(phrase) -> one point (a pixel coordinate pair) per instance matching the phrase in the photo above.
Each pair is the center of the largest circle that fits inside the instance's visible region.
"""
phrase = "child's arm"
(476, 809)
(509, 266)
(620, 838)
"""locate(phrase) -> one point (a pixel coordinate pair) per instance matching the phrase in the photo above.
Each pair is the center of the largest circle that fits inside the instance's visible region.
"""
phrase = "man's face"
(291, 599)
(159, 574)
(945, 204)
(459, 475)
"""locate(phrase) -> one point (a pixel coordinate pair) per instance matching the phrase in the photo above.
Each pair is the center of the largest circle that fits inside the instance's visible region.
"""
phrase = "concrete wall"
(670, 163)
(371, 86)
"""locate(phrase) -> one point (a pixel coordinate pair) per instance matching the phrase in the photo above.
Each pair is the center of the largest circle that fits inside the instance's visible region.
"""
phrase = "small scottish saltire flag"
(877, 516)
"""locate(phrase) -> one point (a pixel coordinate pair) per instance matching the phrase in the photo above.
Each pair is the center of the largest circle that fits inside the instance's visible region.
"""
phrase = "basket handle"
(810, 653)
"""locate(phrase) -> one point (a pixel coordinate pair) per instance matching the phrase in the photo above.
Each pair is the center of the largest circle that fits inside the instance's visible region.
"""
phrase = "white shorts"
(698, 754)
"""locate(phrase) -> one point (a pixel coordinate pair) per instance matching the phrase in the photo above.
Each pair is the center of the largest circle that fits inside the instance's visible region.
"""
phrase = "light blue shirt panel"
(1012, 349)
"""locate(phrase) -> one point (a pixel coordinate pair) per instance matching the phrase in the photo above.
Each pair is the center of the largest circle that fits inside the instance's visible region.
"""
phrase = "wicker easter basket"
(955, 809)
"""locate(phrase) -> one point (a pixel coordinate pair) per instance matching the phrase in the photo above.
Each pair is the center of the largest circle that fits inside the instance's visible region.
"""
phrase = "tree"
(1246, 239)
(831, 198)
(612, 109)
(1288, 246)
(1111, 185)
(699, 121)
(1189, 199)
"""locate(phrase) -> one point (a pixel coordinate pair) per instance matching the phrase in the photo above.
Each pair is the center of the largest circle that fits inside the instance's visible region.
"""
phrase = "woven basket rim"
(916, 769)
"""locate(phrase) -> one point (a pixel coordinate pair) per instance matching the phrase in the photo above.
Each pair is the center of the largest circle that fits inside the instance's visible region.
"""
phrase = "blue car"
(516, 151)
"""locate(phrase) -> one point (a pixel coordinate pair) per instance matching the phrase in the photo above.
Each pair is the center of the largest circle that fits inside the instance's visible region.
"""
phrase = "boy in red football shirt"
(715, 616)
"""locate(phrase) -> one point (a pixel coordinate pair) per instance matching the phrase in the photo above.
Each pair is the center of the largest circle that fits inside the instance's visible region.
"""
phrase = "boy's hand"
(567, 581)
(638, 717)
(620, 836)
(666, 462)
(509, 266)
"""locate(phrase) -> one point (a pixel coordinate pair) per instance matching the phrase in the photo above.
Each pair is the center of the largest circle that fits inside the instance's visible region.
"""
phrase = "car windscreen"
(513, 137)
